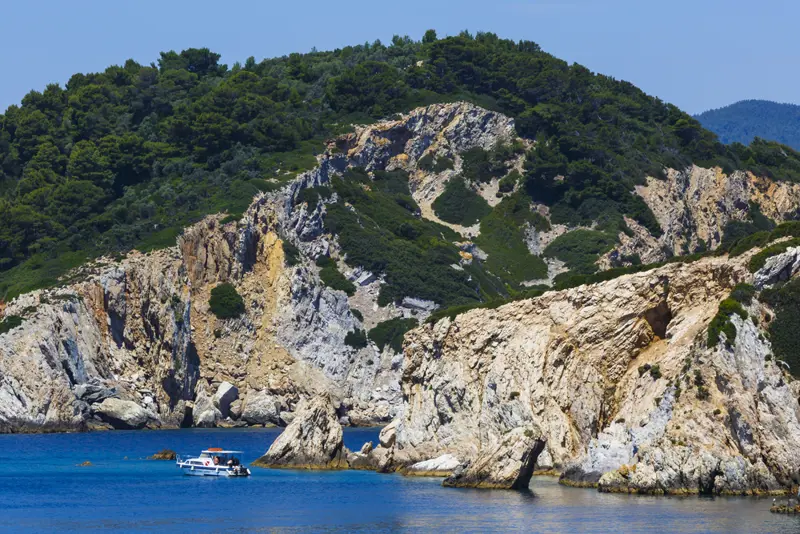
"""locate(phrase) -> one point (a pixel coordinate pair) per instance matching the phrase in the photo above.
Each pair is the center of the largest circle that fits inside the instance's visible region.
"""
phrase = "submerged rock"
(312, 441)
(507, 465)
(122, 414)
(164, 454)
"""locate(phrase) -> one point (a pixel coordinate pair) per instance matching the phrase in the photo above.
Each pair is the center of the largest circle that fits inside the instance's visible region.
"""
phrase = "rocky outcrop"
(694, 205)
(121, 414)
(140, 329)
(313, 440)
(261, 408)
(440, 466)
(612, 374)
(778, 268)
(225, 395)
(508, 464)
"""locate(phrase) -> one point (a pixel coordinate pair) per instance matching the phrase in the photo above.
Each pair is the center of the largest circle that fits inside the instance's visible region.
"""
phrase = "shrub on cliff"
(225, 301)
(331, 277)
(391, 333)
(721, 323)
(356, 339)
(459, 204)
(784, 329)
(9, 323)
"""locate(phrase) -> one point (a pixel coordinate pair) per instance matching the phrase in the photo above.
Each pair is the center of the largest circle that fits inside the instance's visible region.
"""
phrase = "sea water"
(43, 487)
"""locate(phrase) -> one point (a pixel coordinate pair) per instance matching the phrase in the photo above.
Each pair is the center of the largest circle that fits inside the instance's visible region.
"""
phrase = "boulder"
(93, 393)
(366, 448)
(286, 418)
(205, 414)
(236, 409)
(441, 466)
(778, 268)
(508, 464)
(388, 435)
(225, 395)
(121, 414)
(261, 408)
(312, 441)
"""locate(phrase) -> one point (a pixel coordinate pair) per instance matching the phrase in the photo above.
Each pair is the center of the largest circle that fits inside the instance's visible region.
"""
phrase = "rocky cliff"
(617, 376)
(140, 329)
(620, 380)
(693, 207)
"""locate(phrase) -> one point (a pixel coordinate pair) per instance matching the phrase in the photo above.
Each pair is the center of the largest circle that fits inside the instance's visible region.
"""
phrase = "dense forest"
(747, 120)
(127, 157)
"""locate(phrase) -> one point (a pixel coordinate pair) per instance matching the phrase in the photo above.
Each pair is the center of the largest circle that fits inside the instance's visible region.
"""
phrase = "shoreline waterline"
(45, 489)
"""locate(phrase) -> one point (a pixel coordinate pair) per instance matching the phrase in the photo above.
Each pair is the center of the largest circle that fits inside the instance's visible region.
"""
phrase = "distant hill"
(747, 119)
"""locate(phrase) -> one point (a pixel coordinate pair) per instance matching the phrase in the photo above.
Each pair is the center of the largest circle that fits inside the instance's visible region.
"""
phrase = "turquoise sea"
(43, 489)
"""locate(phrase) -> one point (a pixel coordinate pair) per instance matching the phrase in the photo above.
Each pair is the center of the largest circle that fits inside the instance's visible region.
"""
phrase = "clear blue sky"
(697, 54)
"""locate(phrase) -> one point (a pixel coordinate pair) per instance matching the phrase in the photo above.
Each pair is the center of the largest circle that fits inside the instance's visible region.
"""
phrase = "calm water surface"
(42, 489)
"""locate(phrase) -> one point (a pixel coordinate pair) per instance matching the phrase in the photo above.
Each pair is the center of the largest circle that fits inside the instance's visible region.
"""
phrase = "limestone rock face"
(122, 414)
(579, 364)
(225, 395)
(440, 466)
(508, 464)
(141, 327)
(778, 268)
(693, 206)
(313, 440)
(388, 435)
(261, 408)
(205, 414)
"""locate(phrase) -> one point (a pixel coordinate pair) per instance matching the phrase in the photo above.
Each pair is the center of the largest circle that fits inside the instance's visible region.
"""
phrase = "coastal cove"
(43, 487)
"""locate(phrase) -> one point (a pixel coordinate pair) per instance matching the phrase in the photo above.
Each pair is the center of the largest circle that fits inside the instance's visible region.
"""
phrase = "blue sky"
(696, 54)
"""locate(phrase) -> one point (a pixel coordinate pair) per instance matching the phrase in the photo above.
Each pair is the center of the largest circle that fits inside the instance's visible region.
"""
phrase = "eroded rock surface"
(313, 440)
(508, 464)
(599, 368)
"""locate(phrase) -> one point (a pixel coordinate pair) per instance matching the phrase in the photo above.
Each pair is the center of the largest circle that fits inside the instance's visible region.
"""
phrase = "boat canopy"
(219, 451)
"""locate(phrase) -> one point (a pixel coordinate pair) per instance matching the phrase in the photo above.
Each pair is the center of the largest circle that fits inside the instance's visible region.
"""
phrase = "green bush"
(509, 182)
(385, 236)
(357, 314)
(759, 260)
(479, 165)
(743, 293)
(580, 249)
(502, 237)
(356, 339)
(458, 204)
(225, 302)
(721, 323)
(10, 322)
(331, 277)
(784, 329)
(233, 217)
(655, 372)
(391, 333)
(426, 162)
(290, 253)
(442, 164)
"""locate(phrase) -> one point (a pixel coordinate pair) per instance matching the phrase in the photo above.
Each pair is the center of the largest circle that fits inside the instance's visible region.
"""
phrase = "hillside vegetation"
(744, 121)
(127, 157)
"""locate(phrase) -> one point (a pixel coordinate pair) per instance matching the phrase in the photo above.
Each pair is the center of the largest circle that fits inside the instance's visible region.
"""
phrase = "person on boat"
(216, 460)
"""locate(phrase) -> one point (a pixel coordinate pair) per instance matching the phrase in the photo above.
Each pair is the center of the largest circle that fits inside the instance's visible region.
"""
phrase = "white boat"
(214, 462)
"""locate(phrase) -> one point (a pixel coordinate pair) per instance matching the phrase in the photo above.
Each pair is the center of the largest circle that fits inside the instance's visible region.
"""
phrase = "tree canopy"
(126, 157)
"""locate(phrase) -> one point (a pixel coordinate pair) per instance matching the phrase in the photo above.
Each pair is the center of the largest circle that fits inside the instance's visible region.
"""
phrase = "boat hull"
(213, 471)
